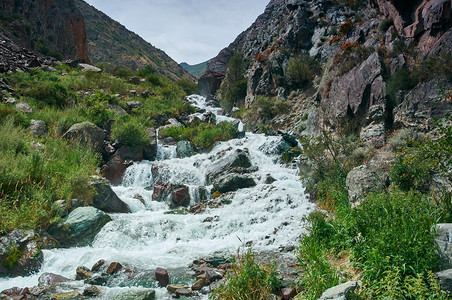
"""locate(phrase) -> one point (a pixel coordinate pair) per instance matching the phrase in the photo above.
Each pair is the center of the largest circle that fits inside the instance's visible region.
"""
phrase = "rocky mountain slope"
(361, 50)
(110, 42)
(54, 28)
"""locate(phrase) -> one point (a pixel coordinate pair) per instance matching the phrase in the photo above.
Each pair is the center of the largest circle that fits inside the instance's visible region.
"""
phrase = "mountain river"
(268, 215)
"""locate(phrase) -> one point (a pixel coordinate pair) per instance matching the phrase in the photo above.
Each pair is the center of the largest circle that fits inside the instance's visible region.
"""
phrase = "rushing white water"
(268, 215)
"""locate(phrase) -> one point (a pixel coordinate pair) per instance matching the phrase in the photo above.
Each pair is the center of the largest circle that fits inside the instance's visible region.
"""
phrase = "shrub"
(95, 108)
(248, 280)
(399, 82)
(233, 89)
(50, 93)
(266, 107)
(385, 24)
(188, 86)
(302, 69)
(130, 131)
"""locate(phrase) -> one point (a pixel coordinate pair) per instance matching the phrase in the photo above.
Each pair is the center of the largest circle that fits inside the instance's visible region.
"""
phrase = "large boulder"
(444, 241)
(232, 182)
(114, 169)
(209, 83)
(361, 181)
(237, 158)
(49, 279)
(24, 107)
(80, 228)
(37, 128)
(150, 150)
(20, 253)
(87, 134)
(445, 280)
(105, 198)
(343, 291)
(177, 195)
(136, 295)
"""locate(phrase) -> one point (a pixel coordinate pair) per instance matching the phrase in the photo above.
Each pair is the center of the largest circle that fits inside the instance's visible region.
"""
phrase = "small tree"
(233, 89)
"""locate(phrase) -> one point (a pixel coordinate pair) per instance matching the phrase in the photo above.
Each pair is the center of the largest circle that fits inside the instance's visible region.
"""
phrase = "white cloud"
(187, 30)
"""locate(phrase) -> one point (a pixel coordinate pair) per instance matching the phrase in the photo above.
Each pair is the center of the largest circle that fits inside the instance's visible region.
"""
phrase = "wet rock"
(150, 150)
(92, 291)
(185, 292)
(67, 296)
(161, 191)
(37, 128)
(340, 292)
(105, 198)
(98, 265)
(136, 295)
(80, 228)
(115, 168)
(24, 107)
(213, 275)
(180, 196)
(87, 134)
(89, 68)
(49, 279)
(360, 181)
(83, 273)
(238, 158)
(269, 179)
(288, 293)
(172, 288)
(162, 276)
(20, 253)
(114, 268)
(139, 198)
(16, 293)
(185, 149)
(199, 284)
(98, 280)
(444, 241)
(232, 182)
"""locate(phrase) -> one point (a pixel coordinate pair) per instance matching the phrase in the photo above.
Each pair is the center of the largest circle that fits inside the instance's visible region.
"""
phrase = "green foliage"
(50, 93)
(248, 280)
(188, 86)
(400, 81)
(266, 108)
(385, 24)
(130, 131)
(233, 88)
(302, 70)
(395, 230)
(12, 255)
(31, 179)
(419, 160)
(95, 108)
(202, 135)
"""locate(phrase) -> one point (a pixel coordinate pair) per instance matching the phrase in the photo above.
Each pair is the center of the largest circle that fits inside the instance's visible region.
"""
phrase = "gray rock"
(20, 253)
(134, 104)
(136, 295)
(11, 101)
(105, 198)
(92, 291)
(237, 158)
(340, 292)
(83, 273)
(90, 68)
(87, 134)
(49, 279)
(185, 149)
(360, 181)
(80, 228)
(444, 241)
(24, 107)
(150, 150)
(232, 182)
(37, 128)
(445, 280)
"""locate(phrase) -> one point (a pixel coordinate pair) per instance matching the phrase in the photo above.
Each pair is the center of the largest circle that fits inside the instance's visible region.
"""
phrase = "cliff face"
(359, 47)
(110, 42)
(54, 27)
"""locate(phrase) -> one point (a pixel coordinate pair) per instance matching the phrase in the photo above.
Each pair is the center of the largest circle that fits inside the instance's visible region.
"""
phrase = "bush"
(385, 24)
(95, 108)
(399, 82)
(266, 107)
(302, 70)
(233, 89)
(248, 280)
(50, 93)
(188, 86)
(130, 131)
(203, 135)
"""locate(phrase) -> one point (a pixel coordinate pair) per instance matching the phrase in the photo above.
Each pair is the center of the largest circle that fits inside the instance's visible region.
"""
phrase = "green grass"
(203, 135)
(247, 280)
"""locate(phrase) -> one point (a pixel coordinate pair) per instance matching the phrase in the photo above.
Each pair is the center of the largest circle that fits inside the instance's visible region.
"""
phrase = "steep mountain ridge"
(195, 70)
(110, 42)
(359, 47)
(55, 28)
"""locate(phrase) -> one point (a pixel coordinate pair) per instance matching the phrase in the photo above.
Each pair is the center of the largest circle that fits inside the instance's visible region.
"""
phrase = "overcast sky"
(190, 31)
